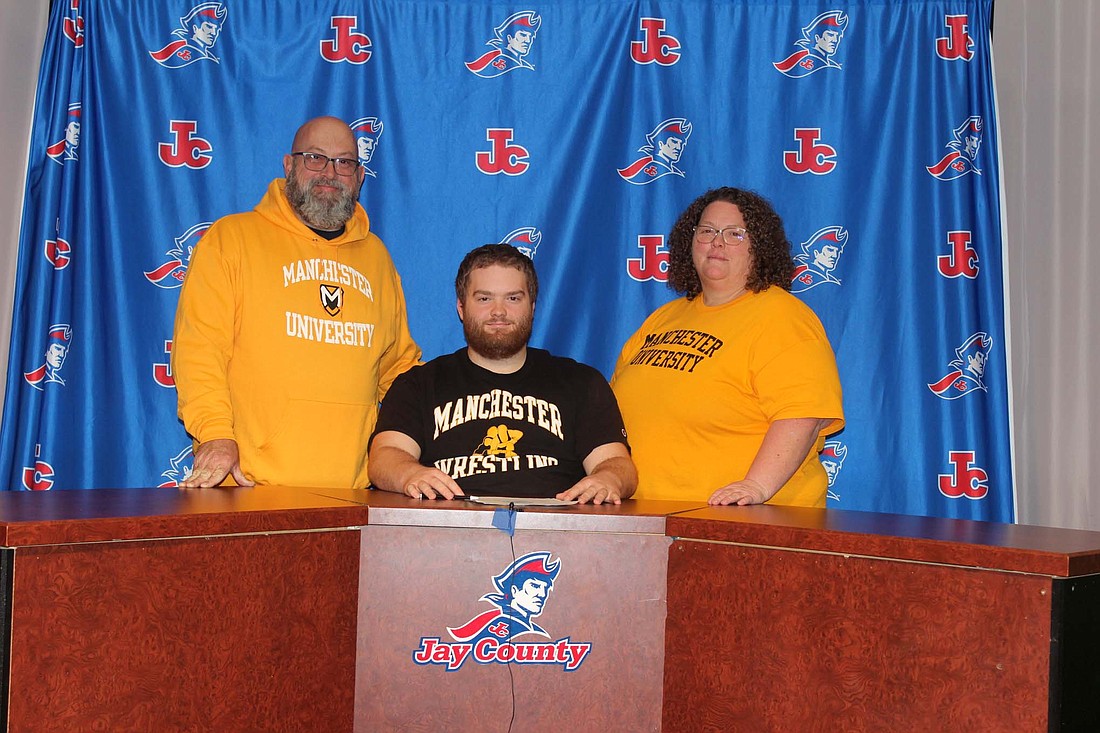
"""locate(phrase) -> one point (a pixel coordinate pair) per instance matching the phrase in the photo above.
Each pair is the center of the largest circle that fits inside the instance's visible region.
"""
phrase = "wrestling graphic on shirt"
(502, 447)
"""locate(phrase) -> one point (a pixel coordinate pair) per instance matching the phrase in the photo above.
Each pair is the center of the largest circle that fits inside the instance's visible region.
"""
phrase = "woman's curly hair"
(772, 263)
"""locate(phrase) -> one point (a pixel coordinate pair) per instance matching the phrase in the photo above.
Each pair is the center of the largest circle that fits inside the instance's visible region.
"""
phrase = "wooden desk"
(282, 609)
(786, 619)
(165, 610)
(426, 566)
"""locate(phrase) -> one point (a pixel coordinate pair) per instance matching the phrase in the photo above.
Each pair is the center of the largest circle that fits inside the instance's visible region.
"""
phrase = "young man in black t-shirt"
(498, 417)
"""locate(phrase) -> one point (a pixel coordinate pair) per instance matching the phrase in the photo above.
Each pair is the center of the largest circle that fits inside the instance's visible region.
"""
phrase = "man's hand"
(394, 465)
(430, 483)
(593, 489)
(214, 460)
(611, 477)
(741, 493)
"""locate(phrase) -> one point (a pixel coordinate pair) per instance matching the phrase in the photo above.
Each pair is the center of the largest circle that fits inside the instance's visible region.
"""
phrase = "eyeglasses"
(318, 162)
(730, 235)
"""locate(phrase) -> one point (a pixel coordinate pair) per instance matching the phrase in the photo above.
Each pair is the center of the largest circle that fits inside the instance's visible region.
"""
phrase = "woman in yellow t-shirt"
(729, 391)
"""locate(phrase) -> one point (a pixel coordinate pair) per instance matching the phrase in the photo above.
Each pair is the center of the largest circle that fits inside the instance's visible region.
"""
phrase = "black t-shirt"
(522, 434)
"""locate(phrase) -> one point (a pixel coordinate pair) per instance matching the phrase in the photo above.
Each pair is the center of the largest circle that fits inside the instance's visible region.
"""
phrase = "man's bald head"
(323, 199)
(326, 132)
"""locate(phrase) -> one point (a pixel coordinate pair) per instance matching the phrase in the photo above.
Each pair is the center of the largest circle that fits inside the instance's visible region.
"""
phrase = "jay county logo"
(967, 369)
(663, 149)
(964, 152)
(819, 257)
(58, 252)
(179, 469)
(521, 592)
(170, 274)
(66, 148)
(525, 239)
(832, 460)
(819, 43)
(367, 131)
(511, 42)
(40, 476)
(196, 36)
(59, 339)
(73, 26)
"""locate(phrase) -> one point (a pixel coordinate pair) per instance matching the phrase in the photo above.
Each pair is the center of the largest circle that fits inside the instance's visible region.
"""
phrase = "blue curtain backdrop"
(577, 129)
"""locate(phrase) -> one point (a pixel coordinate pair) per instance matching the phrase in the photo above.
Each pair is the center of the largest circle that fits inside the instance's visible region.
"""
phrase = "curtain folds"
(578, 130)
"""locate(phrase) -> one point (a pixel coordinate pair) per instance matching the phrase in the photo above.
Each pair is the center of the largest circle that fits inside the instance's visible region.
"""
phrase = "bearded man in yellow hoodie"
(290, 328)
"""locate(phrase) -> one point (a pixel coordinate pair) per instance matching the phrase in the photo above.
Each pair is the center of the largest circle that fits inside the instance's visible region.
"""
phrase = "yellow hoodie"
(286, 342)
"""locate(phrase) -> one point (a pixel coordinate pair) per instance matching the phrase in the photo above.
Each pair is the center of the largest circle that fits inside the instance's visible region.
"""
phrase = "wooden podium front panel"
(417, 581)
(762, 639)
(253, 632)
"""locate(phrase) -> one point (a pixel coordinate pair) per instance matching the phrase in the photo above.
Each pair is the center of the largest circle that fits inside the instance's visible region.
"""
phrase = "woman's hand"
(785, 446)
(741, 493)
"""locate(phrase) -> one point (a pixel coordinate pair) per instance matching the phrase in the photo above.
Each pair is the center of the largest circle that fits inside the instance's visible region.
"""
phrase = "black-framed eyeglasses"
(318, 162)
(730, 235)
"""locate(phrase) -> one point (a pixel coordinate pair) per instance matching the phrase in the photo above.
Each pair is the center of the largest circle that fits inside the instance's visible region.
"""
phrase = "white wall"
(1048, 86)
(22, 30)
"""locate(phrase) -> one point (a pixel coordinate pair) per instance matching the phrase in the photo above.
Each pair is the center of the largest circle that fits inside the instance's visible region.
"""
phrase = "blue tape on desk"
(505, 520)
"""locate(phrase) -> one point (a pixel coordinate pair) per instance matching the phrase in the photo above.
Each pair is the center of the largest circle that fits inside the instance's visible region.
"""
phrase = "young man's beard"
(498, 345)
(326, 214)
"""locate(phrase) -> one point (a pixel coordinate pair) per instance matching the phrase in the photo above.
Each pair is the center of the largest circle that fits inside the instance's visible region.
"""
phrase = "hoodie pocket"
(317, 444)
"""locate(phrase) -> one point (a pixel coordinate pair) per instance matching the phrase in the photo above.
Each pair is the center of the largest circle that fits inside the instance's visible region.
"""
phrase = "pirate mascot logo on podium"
(521, 592)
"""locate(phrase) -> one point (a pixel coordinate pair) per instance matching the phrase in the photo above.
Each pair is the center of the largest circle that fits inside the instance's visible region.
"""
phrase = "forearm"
(785, 447)
(610, 477)
(391, 469)
(617, 472)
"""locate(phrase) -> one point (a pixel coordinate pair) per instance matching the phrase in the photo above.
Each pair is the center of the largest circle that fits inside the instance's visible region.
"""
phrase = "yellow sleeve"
(403, 353)
(799, 377)
(202, 342)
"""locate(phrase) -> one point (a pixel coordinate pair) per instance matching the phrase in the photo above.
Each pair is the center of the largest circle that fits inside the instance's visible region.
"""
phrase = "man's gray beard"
(500, 346)
(318, 213)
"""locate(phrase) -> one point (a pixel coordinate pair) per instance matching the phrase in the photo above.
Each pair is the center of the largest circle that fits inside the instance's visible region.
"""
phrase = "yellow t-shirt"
(698, 387)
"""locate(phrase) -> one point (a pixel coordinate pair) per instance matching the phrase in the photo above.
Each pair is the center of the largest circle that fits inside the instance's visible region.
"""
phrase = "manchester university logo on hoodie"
(324, 272)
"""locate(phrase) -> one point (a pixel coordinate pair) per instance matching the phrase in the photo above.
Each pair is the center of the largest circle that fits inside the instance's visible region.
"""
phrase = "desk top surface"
(1014, 547)
(30, 519)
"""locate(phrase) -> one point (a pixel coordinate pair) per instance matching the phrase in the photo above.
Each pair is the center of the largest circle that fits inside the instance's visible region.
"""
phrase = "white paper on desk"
(519, 502)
